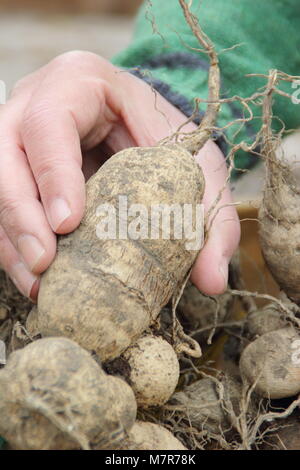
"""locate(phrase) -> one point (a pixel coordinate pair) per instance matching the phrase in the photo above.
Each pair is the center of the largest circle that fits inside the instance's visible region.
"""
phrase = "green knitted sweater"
(268, 34)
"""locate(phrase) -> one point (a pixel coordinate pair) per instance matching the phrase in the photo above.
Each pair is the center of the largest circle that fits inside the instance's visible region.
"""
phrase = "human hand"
(59, 125)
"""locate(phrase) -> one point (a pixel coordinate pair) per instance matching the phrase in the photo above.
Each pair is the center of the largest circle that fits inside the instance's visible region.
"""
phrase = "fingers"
(27, 243)
(64, 115)
(52, 146)
(21, 214)
(25, 281)
(210, 272)
(42, 187)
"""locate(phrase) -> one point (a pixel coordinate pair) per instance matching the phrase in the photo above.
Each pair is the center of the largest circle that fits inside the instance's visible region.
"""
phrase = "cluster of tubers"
(55, 396)
(271, 361)
(98, 297)
(97, 354)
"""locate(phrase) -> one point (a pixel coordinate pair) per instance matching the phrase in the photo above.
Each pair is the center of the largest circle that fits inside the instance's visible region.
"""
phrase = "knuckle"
(9, 206)
(77, 57)
(20, 85)
(8, 255)
(36, 117)
(3, 236)
(47, 170)
(52, 173)
(8, 112)
(26, 83)
(5, 140)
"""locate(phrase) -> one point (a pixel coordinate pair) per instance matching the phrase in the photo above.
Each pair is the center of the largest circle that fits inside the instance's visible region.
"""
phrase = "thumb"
(210, 272)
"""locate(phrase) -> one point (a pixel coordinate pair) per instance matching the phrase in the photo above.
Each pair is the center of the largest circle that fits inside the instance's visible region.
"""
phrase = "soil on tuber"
(150, 436)
(53, 395)
(103, 293)
(271, 363)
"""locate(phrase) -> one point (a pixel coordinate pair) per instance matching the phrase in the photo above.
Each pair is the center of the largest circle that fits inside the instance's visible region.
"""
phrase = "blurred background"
(32, 32)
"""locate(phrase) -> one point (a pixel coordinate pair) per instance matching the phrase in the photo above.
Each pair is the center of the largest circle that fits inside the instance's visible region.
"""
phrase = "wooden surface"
(73, 6)
(254, 270)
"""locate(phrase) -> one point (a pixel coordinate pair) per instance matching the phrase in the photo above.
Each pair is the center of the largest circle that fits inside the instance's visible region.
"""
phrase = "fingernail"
(22, 278)
(31, 250)
(223, 268)
(34, 291)
(59, 211)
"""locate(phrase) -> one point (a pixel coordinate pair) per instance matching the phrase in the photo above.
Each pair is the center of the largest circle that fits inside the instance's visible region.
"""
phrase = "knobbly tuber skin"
(154, 370)
(272, 363)
(199, 404)
(279, 214)
(285, 436)
(104, 293)
(150, 436)
(200, 310)
(279, 218)
(53, 395)
(265, 320)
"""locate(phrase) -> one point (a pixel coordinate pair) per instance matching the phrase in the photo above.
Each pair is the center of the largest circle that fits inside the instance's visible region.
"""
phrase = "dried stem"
(197, 139)
(289, 312)
(270, 416)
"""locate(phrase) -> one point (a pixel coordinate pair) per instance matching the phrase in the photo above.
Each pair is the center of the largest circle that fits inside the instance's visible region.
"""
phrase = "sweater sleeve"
(266, 35)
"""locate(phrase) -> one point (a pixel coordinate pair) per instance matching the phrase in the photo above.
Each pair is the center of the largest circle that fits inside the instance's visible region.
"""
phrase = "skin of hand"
(59, 125)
